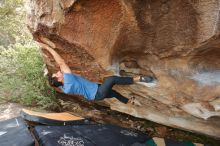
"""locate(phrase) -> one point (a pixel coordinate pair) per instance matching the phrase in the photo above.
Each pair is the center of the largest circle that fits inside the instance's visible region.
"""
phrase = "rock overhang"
(175, 41)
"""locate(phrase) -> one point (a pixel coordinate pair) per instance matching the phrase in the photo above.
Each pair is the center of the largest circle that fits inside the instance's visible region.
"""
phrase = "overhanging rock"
(177, 41)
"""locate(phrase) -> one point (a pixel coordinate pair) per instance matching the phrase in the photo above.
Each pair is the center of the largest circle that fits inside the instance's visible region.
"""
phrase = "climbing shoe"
(147, 79)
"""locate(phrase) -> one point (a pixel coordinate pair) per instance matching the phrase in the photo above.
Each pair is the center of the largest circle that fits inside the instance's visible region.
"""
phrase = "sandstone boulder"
(177, 41)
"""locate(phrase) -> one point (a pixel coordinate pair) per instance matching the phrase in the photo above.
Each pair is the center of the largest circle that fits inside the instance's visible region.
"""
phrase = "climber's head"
(56, 79)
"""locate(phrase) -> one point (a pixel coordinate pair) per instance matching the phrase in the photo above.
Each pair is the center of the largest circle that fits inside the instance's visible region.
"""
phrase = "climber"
(70, 83)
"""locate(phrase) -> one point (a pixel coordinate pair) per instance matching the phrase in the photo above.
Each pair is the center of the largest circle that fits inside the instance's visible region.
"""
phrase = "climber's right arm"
(59, 60)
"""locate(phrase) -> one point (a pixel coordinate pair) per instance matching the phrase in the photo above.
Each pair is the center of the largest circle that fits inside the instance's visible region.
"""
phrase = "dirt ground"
(9, 110)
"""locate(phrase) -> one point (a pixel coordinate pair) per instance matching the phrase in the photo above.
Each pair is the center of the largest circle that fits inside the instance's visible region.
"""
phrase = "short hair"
(54, 82)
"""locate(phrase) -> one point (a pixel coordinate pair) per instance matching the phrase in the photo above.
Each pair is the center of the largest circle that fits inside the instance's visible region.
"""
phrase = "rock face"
(177, 41)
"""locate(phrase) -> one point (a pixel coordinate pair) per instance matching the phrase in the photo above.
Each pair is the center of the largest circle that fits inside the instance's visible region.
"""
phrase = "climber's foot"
(147, 79)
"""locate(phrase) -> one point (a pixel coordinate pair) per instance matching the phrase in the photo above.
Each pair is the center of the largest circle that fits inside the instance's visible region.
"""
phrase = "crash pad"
(51, 118)
(14, 132)
(88, 135)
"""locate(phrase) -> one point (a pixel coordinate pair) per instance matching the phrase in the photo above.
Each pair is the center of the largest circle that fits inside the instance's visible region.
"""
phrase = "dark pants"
(105, 89)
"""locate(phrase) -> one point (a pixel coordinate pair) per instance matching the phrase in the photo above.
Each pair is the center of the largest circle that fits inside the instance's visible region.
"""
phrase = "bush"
(21, 65)
(22, 79)
(12, 23)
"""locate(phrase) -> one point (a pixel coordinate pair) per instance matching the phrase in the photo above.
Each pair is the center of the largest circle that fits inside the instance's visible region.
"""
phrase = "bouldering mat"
(51, 118)
(87, 135)
(14, 132)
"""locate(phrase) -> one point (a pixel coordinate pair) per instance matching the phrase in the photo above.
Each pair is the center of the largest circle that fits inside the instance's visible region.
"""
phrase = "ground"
(10, 110)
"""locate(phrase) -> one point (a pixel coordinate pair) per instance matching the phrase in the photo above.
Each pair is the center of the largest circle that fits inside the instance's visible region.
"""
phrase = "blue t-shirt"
(74, 84)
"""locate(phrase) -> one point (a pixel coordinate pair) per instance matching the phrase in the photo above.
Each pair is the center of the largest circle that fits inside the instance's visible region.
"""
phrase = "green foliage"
(21, 65)
(12, 23)
(22, 79)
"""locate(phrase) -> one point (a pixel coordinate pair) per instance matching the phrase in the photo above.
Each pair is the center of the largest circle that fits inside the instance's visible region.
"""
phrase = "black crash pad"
(14, 132)
(87, 135)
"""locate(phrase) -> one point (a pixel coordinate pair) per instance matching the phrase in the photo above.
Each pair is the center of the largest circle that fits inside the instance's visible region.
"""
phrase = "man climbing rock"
(70, 83)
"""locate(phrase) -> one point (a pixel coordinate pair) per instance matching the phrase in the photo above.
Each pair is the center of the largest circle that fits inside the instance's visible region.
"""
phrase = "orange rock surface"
(177, 41)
